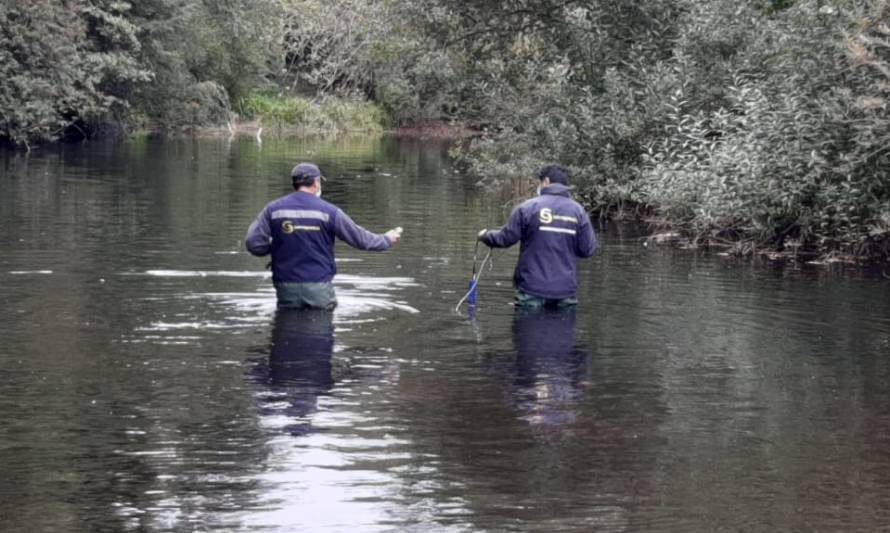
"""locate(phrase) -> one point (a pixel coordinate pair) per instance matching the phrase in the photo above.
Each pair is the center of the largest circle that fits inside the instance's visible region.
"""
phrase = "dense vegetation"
(760, 123)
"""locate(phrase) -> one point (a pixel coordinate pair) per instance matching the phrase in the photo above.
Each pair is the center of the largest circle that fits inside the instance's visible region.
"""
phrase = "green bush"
(795, 150)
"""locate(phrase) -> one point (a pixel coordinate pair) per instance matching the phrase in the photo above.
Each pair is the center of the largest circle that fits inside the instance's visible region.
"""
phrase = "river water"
(146, 383)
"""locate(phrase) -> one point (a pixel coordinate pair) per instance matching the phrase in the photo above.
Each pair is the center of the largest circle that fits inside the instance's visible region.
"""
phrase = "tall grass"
(328, 115)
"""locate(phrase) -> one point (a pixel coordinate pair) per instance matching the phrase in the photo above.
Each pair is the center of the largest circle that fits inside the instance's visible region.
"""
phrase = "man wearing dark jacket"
(554, 230)
(299, 231)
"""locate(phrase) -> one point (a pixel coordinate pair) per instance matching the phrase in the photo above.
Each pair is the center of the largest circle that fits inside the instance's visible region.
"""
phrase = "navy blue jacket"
(554, 230)
(299, 230)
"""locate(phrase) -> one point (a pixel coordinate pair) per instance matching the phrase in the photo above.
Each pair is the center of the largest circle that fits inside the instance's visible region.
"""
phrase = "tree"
(59, 64)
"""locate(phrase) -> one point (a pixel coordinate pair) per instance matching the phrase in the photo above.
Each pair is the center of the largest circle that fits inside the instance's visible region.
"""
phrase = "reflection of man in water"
(299, 231)
(550, 370)
(299, 369)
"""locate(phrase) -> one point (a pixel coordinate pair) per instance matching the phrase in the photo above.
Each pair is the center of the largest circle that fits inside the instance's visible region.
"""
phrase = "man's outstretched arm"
(506, 236)
(356, 236)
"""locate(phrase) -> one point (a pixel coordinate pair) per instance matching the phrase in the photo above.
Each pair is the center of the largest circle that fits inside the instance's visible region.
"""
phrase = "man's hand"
(481, 234)
(393, 235)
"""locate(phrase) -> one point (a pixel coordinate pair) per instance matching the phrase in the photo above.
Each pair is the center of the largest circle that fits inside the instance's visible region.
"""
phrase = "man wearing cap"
(299, 231)
(554, 230)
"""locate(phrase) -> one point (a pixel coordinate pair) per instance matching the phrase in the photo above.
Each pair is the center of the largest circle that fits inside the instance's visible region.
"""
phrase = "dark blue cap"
(305, 173)
(556, 173)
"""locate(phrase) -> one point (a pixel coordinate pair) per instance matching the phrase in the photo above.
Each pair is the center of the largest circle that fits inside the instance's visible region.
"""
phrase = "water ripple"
(361, 299)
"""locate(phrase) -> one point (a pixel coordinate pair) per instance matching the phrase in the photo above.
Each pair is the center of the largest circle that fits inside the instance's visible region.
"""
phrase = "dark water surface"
(147, 385)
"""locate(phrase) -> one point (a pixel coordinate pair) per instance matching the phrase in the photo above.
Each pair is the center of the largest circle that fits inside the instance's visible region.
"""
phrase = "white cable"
(475, 281)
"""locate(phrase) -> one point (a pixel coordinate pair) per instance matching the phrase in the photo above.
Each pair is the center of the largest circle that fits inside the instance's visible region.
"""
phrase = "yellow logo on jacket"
(288, 227)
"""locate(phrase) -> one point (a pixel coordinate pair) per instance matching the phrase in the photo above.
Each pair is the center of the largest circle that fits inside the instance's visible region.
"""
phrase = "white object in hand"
(394, 235)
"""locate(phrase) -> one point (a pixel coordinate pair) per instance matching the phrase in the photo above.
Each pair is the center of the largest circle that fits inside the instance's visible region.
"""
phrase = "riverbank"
(788, 246)
(427, 131)
(433, 130)
(792, 251)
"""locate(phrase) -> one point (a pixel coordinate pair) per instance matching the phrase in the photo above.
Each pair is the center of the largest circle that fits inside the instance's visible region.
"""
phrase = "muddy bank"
(793, 251)
(434, 130)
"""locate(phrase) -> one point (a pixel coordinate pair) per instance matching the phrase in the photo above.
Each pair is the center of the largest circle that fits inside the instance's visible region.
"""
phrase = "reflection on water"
(298, 369)
(330, 465)
(146, 383)
(550, 368)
